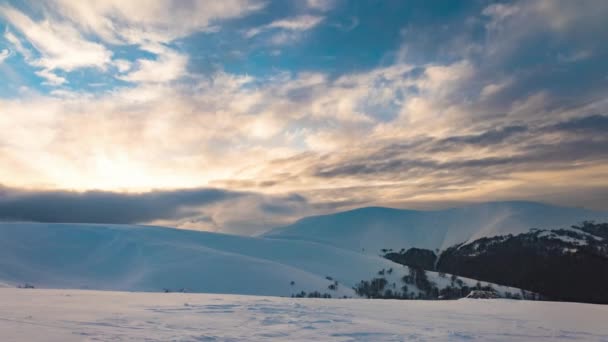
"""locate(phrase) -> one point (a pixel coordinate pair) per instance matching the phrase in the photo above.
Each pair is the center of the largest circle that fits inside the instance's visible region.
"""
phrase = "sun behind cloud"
(320, 100)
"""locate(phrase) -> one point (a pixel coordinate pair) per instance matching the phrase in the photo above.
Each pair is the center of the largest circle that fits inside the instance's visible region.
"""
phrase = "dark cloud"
(106, 207)
(303, 94)
(283, 205)
(524, 148)
(591, 124)
(491, 137)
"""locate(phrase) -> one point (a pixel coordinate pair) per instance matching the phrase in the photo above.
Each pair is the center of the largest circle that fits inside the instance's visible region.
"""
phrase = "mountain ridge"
(568, 264)
(154, 259)
(373, 228)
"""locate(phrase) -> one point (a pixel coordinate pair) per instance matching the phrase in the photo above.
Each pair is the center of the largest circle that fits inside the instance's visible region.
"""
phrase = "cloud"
(477, 108)
(499, 153)
(4, 54)
(141, 21)
(51, 78)
(590, 125)
(11, 38)
(60, 45)
(301, 23)
(168, 66)
(73, 35)
(490, 137)
(545, 22)
(106, 207)
(321, 5)
(202, 208)
(347, 26)
(122, 65)
(288, 28)
(230, 130)
(492, 89)
(574, 56)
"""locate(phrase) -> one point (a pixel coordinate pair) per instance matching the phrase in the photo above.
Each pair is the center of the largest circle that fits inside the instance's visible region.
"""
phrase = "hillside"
(562, 264)
(141, 258)
(567, 264)
(372, 229)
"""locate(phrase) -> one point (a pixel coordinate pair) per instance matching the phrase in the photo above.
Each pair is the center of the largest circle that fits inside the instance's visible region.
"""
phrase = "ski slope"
(143, 258)
(73, 315)
(374, 228)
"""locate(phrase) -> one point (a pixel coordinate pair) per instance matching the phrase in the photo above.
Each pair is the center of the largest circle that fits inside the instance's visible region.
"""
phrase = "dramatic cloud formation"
(105, 207)
(296, 108)
(203, 208)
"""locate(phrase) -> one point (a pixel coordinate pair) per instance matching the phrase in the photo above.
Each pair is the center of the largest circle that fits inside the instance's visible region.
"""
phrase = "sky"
(242, 115)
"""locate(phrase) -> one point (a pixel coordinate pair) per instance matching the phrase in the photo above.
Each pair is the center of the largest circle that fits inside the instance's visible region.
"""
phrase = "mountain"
(563, 264)
(143, 258)
(372, 229)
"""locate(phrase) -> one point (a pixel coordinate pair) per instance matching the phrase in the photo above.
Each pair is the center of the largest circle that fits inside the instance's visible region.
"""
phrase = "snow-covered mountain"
(569, 264)
(143, 258)
(329, 254)
(374, 228)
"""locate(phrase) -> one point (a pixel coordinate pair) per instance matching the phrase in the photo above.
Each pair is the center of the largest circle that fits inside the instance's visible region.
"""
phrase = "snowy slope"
(140, 258)
(374, 228)
(72, 315)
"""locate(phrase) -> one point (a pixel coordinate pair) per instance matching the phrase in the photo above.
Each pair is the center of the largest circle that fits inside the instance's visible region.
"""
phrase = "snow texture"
(75, 315)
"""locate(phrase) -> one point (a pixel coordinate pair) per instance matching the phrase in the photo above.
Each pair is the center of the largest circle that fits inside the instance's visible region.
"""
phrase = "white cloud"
(4, 54)
(499, 13)
(11, 38)
(168, 66)
(264, 126)
(70, 35)
(283, 38)
(51, 78)
(140, 21)
(60, 45)
(122, 65)
(494, 88)
(321, 5)
(294, 24)
(301, 23)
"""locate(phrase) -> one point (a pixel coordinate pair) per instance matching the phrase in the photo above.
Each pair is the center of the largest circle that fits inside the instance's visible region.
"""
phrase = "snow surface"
(73, 315)
(142, 258)
(372, 229)
(555, 235)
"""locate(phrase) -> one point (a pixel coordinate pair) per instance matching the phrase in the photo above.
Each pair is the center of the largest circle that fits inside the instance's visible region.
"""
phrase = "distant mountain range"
(369, 252)
(156, 259)
(521, 244)
(372, 229)
(563, 264)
